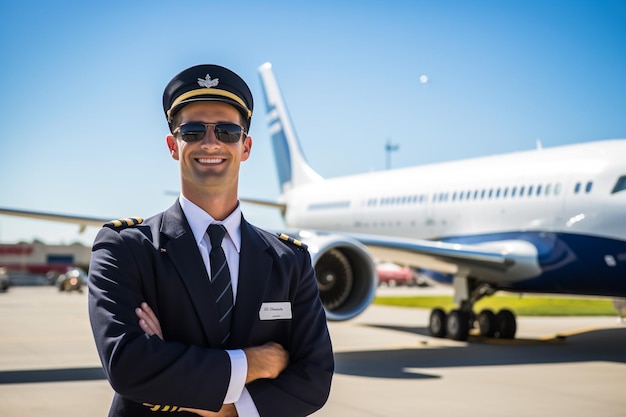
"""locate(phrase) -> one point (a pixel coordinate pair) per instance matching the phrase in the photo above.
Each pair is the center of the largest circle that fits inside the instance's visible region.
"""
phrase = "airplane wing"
(82, 221)
(500, 261)
(280, 206)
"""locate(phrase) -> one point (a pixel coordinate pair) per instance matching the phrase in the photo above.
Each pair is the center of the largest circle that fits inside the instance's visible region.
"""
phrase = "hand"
(148, 320)
(266, 361)
(227, 410)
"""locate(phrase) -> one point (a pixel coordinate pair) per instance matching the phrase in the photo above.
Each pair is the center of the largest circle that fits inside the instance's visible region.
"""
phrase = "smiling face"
(209, 168)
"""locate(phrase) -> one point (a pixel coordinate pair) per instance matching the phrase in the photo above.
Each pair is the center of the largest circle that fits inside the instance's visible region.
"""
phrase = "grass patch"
(525, 305)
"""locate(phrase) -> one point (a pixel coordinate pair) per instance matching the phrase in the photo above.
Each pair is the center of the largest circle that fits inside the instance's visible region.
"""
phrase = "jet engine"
(346, 275)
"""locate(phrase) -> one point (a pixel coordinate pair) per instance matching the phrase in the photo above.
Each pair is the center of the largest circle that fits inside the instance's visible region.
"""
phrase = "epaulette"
(289, 239)
(124, 223)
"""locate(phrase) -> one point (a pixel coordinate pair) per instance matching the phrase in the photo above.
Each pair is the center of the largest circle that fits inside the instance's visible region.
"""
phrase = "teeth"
(210, 160)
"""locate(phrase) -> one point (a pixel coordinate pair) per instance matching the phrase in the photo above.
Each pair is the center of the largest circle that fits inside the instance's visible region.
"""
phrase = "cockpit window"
(620, 185)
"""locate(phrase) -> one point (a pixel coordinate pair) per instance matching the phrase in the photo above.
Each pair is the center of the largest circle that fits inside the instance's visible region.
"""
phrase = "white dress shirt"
(199, 220)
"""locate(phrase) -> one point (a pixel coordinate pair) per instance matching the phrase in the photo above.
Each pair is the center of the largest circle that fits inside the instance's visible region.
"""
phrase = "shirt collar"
(199, 220)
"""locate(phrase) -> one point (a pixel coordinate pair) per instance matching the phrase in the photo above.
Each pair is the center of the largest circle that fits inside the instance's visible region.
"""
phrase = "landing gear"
(457, 324)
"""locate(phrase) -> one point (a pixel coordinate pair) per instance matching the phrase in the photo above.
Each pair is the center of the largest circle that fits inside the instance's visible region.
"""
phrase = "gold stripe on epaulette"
(290, 240)
(126, 222)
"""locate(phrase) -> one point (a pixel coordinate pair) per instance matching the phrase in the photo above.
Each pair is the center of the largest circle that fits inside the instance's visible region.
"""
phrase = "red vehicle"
(392, 274)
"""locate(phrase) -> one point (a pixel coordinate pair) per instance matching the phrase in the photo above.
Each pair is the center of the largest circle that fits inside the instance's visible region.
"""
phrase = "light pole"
(390, 147)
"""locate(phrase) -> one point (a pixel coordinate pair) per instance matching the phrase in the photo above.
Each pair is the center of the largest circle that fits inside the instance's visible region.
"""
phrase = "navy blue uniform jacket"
(159, 262)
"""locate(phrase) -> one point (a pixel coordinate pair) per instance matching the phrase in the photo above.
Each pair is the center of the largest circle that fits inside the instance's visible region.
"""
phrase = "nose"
(209, 138)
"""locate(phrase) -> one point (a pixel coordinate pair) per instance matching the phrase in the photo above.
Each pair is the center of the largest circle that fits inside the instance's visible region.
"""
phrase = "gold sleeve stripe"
(164, 408)
(211, 91)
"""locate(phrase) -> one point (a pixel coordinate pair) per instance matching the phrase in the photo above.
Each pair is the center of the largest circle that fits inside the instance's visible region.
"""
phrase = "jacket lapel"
(182, 250)
(255, 265)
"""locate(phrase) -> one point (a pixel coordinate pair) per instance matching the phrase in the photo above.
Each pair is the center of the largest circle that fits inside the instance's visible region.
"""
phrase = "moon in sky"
(423, 79)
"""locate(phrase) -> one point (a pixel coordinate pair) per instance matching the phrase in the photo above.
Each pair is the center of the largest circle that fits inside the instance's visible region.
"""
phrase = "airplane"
(547, 220)
(541, 221)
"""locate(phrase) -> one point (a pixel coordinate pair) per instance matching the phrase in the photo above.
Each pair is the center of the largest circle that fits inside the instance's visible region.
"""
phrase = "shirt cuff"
(238, 372)
(245, 406)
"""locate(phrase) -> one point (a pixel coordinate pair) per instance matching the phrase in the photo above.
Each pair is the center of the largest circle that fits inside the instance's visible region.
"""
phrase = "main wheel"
(457, 325)
(437, 323)
(487, 323)
(506, 324)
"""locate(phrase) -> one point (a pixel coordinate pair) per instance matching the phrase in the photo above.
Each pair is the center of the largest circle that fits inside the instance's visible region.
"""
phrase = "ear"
(246, 148)
(172, 145)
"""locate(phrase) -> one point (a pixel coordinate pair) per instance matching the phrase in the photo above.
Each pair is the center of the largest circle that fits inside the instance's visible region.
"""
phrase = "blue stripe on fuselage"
(570, 263)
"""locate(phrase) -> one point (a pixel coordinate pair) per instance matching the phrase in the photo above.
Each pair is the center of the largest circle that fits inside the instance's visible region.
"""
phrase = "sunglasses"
(224, 132)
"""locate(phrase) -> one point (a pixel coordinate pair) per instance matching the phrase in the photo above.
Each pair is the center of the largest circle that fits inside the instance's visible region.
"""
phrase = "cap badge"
(208, 82)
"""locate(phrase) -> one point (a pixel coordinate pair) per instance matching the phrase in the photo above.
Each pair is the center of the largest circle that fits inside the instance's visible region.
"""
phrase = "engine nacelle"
(346, 275)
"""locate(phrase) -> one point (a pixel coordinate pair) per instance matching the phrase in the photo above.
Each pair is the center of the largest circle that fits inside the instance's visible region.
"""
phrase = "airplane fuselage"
(568, 201)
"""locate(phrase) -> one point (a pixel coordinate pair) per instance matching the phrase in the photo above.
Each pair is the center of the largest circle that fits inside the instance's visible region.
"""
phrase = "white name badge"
(275, 311)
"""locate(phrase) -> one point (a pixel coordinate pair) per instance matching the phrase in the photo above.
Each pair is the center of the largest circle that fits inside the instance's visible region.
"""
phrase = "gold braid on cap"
(209, 91)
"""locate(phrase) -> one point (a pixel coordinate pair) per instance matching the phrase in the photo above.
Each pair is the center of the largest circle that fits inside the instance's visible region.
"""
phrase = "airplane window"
(521, 191)
(588, 187)
(498, 193)
(539, 190)
(557, 189)
(482, 194)
(547, 189)
(577, 188)
(506, 191)
(513, 191)
(490, 193)
(620, 185)
(530, 191)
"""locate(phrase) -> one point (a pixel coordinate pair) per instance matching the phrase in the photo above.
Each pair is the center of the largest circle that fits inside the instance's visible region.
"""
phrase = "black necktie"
(220, 280)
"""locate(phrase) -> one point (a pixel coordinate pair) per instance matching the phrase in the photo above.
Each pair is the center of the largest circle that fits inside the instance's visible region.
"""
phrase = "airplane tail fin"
(293, 170)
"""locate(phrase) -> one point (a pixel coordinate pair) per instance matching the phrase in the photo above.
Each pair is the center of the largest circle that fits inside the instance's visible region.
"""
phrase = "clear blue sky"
(84, 132)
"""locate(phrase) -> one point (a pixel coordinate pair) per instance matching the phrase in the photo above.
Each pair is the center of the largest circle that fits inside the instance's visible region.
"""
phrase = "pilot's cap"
(207, 83)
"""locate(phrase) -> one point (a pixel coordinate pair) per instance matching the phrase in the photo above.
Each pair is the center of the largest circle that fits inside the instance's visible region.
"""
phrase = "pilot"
(195, 309)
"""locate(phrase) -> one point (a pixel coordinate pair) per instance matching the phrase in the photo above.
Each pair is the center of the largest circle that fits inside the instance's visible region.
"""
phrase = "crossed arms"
(265, 361)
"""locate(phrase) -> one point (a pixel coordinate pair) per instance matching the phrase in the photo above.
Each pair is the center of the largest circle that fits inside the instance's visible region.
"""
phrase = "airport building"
(38, 259)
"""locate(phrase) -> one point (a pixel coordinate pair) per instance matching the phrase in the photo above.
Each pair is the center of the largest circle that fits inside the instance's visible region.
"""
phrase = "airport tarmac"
(386, 365)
